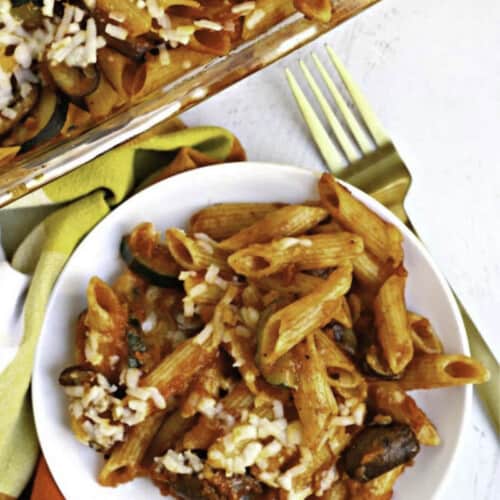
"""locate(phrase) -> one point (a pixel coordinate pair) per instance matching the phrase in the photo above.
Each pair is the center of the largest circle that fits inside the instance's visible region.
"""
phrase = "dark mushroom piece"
(378, 449)
(77, 375)
(135, 48)
(216, 486)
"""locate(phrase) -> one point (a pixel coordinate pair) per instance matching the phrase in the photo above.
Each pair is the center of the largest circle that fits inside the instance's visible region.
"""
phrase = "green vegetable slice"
(146, 256)
(44, 122)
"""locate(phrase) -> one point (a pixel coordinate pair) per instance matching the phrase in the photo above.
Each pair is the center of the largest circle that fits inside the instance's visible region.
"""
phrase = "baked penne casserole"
(265, 352)
(67, 64)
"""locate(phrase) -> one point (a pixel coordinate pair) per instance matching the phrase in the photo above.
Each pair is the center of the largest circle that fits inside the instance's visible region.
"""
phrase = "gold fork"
(374, 166)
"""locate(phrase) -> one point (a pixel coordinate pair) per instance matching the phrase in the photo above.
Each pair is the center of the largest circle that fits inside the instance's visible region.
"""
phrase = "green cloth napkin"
(82, 198)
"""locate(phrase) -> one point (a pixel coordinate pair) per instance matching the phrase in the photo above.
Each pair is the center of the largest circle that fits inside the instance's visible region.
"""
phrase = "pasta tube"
(171, 430)
(207, 430)
(288, 326)
(202, 292)
(104, 327)
(103, 100)
(286, 221)
(299, 283)
(264, 15)
(340, 369)
(225, 219)
(379, 488)
(312, 252)
(382, 239)
(125, 461)
(423, 335)
(388, 399)
(430, 371)
(195, 254)
(391, 321)
(314, 399)
(137, 21)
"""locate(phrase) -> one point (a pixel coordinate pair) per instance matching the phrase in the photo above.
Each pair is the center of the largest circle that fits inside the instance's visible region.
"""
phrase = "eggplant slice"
(379, 449)
(22, 108)
(75, 82)
(43, 123)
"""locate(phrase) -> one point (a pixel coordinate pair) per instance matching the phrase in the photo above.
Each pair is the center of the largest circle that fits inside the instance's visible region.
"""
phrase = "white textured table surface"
(431, 69)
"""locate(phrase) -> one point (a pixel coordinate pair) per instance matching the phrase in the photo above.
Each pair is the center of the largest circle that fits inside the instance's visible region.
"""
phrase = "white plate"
(171, 203)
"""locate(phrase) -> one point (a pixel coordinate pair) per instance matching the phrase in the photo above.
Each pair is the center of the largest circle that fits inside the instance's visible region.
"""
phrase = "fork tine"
(356, 129)
(328, 150)
(365, 110)
(344, 141)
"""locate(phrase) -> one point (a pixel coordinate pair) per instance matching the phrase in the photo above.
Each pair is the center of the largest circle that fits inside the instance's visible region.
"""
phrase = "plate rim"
(365, 198)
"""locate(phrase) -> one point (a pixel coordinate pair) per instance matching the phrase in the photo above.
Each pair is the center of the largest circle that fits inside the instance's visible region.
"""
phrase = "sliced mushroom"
(77, 375)
(378, 449)
(134, 48)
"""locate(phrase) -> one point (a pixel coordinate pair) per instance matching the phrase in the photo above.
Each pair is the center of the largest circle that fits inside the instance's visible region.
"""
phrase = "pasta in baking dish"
(263, 353)
(66, 63)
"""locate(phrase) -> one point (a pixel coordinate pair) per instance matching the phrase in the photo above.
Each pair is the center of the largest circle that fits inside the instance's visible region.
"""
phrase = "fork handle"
(489, 392)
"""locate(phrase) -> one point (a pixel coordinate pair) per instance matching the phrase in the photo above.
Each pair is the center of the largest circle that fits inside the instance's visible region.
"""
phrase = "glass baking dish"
(33, 170)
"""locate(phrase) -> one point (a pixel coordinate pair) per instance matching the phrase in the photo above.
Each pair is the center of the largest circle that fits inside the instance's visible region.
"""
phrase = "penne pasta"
(369, 271)
(242, 351)
(423, 335)
(202, 292)
(341, 372)
(286, 221)
(381, 238)
(154, 73)
(118, 69)
(320, 10)
(299, 283)
(207, 385)
(338, 491)
(305, 253)
(137, 21)
(264, 15)
(388, 399)
(103, 100)
(391, 321)
(379, 488)
(288, 326)
(104, 326)
(124, 463)
(224, 220)
(314, 399)
(195, 254)
(431, 371)
(207, 429)
(176, 371)
(172, 428)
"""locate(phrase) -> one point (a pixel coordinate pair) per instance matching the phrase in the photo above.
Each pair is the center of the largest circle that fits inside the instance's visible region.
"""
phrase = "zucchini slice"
(22, 108)
(75, 82)
(43, 123)
(146, 256)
